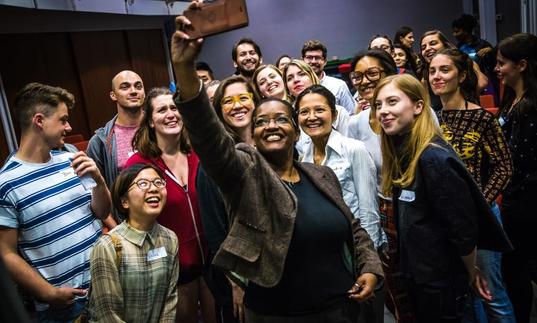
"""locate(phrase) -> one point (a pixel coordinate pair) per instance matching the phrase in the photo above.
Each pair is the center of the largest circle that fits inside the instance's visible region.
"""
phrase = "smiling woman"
(162, 141)
(134, 268)
(268, 82)
(437, 238)
(278, 208)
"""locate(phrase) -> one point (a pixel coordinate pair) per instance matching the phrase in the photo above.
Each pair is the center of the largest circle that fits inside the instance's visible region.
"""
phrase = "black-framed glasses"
(372, 74)
(279, 120)
(145, 184)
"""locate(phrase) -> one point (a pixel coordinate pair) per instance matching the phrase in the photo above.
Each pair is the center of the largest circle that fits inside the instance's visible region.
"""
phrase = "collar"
(334, 143)
(138, 237)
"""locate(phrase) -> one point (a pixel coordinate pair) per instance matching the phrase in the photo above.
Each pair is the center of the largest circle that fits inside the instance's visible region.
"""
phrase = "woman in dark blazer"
(291, 235)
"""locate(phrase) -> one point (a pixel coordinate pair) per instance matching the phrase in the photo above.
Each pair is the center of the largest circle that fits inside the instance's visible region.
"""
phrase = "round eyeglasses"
(145, 184)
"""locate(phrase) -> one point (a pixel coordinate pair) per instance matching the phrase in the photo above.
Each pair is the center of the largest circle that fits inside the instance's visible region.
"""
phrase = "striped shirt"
(51, 210)
(142, 285)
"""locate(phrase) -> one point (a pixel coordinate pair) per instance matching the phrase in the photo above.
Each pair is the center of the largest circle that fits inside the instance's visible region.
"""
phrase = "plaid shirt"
(144, 289)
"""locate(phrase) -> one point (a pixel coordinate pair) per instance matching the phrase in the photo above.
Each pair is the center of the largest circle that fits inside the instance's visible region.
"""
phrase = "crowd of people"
(278, 195)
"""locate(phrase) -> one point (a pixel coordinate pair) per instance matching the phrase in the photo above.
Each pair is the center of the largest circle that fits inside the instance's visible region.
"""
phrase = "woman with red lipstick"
(476, 136)
(517, 68)
(268, 82)
(135, 268)
(162, 141)
(437, 204)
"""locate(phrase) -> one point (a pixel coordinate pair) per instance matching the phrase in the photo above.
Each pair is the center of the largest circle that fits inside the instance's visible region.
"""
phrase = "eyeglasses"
(312, 58)
(279, 120)
(145, 184)
(372, 74)
(228, 102)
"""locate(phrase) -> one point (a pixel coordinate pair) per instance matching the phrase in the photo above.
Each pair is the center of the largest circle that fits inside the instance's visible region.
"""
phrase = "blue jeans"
(68, 314)
(499, 309)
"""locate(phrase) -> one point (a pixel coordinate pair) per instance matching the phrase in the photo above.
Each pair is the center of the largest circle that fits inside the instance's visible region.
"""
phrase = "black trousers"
(437, 304)
(344, 311)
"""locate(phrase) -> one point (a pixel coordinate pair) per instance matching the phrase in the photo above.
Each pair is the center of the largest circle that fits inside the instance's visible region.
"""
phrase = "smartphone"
(216, 17)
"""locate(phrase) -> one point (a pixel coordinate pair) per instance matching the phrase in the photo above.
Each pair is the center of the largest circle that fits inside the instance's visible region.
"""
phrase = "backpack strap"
(118, 247)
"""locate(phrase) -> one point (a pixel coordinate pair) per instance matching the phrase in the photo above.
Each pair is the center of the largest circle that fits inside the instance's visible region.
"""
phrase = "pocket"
(242, 248)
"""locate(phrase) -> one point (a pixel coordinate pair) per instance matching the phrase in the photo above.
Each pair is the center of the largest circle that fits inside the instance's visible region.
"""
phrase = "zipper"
(185, 188)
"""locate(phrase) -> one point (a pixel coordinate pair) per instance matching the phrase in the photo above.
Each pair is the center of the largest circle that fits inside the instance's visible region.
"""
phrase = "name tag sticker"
(407, 196)
(156, 253)
(68, 172)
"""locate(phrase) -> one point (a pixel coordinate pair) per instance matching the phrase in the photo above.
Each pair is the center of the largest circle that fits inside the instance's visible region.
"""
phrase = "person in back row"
(110, 146)
(50, 206)
(247, 57)
(314, 53)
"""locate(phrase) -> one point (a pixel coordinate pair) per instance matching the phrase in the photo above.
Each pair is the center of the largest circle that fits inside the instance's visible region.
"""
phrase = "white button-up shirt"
(356, 172)
(341, 91)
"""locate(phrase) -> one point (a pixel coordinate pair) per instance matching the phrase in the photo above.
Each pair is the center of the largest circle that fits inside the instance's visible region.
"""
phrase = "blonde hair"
(399, 165)
(304, 67)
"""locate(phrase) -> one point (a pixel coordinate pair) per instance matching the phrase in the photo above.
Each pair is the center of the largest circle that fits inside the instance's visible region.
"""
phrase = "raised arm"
(212, 143)
(101, 202)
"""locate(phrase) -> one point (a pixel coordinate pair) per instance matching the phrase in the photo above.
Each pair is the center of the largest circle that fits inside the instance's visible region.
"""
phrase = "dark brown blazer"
(261, 207)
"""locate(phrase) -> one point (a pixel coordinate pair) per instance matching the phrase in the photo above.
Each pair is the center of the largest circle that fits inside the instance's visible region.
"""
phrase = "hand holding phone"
(215, 17)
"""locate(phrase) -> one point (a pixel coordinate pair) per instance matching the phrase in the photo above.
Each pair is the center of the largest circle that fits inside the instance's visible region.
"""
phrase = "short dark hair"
(245, 41)
(386, 60)
(123, 182)
(313, 45)
(465, 22)
(280, 58)
(39, 98)
(401, 32)
(290, 109)
(321, 90)
(204, 67)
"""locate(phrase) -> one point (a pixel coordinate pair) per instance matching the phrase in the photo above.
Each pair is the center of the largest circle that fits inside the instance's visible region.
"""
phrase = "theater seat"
(82, 145)
(72, 139)
(487, 102)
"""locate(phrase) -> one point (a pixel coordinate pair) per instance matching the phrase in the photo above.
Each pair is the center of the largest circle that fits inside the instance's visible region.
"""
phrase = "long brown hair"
(399, 169)
(145, 139)
(219, 95)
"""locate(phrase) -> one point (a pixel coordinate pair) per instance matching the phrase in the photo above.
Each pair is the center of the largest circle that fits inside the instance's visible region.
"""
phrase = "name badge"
(156, 253)
(68, 172)
(407, 196)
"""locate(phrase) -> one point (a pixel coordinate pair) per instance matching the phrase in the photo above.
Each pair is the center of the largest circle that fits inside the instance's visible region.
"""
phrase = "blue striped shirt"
(48, 206)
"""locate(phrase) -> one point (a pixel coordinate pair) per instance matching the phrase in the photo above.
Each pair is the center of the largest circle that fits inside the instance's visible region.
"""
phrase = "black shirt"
(314, 275)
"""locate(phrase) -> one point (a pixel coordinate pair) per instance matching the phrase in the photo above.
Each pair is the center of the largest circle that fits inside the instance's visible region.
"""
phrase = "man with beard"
(314, 53)
(111, 146)
(246, 57)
